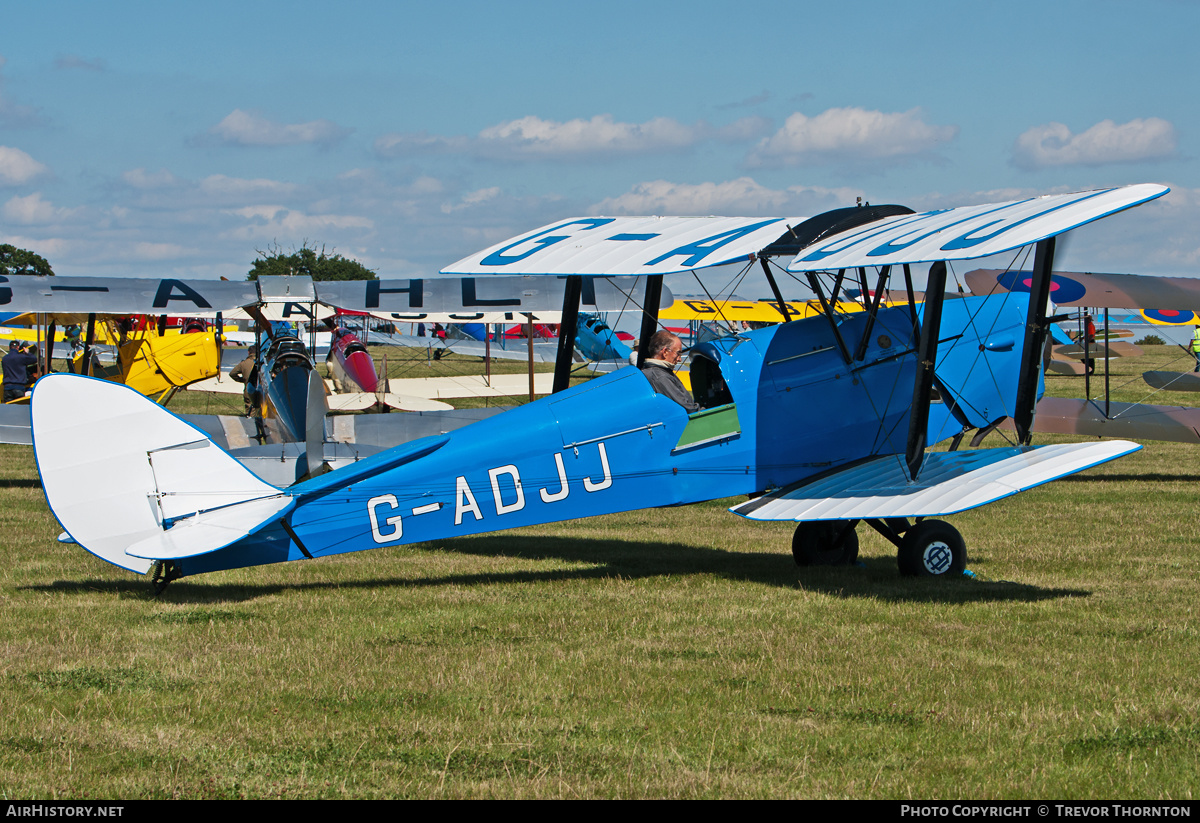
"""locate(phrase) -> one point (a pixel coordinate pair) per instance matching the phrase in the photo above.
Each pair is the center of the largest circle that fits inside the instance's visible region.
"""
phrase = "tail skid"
(138, 484)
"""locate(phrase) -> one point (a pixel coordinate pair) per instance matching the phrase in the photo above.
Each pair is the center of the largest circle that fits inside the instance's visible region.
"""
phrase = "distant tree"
(309, 261)
(20, 261)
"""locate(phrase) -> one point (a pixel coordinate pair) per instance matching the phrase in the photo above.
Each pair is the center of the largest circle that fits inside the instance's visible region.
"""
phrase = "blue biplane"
(825, 421)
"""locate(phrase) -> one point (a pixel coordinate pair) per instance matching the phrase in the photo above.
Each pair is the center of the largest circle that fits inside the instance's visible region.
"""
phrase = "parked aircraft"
(1155, 297)
(826, 420)
(274, 301)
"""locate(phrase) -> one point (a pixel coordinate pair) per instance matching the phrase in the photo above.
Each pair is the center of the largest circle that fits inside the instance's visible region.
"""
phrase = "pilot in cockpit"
(665, 353)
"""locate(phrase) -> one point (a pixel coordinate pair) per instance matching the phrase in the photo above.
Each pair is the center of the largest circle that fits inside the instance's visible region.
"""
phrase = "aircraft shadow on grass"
(875, 576)
(20, 483)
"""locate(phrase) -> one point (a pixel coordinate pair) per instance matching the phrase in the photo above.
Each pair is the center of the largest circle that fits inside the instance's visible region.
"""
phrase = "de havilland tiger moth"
(824, 421)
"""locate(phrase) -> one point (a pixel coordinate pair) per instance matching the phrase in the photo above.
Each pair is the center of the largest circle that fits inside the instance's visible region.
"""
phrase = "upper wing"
(1113, 291)
(628, 246)
(123, 295)
(968, 232)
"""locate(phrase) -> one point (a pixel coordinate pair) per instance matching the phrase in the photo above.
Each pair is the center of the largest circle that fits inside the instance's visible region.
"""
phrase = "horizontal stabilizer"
(949, 482)
(221, 384)
(1066, 367)
(133, 473)
(211, 530)
(351, 401)
(412, 403)
(1172, 380)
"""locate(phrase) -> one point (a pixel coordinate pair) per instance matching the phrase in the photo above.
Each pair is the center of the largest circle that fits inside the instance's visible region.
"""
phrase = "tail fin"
(132, 483)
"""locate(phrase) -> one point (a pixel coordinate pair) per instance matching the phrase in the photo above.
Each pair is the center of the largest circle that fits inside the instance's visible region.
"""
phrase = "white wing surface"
(968, 232)
(628, 246)
(949, 482)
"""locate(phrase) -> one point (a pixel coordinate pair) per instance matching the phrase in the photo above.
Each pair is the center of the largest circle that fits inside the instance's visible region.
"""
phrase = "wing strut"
(827, 310)
(918, 418)
(87, 344)
(649, 315)
(1035, 340)
(912, 297)
(567, 330)
(872, 310)
(783, 309)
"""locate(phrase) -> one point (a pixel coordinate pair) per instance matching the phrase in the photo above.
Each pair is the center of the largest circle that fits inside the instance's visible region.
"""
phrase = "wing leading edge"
(968, 232)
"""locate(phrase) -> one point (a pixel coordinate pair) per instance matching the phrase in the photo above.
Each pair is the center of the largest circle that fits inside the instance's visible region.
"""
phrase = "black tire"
(816, 543)
(932, 548)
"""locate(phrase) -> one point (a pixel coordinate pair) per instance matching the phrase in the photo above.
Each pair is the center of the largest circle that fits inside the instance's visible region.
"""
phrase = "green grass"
(665, 653)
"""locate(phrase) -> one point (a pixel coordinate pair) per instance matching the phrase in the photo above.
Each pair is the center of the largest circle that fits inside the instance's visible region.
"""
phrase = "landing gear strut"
(825, 543)
(927, 548)
(163, 572)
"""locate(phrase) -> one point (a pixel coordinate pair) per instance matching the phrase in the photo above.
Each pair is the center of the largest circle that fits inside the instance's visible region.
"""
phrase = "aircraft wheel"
(815, 543)
(932, 548)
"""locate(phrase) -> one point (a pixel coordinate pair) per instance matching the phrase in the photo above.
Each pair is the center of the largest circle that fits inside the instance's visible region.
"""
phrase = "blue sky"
(150, 139)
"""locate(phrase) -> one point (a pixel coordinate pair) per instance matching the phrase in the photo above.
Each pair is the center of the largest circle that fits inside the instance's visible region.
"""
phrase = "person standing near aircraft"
(18, 367)
(666, 352)
(1196, 348)
(246, 372)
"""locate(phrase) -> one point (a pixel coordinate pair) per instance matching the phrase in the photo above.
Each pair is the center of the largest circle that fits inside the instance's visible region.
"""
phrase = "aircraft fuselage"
(782, 404)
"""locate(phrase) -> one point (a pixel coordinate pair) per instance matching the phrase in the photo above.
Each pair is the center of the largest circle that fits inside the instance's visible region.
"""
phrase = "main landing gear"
(926, 548)
(162, 573)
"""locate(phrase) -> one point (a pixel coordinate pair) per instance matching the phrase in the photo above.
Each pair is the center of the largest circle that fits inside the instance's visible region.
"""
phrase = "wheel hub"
(937, 557)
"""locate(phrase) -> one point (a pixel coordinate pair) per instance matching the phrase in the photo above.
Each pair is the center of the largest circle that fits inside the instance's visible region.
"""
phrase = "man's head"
(666, 347)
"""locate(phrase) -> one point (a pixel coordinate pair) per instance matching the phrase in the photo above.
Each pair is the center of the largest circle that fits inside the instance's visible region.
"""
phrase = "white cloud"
(1137, 141)
(270, 222)
(851, 134)
(159, 251)
(471, 199)
(31, 210)
(246, 128)
(240, 187)
(534, 137)
(17, 167)
(742, 196)
(403, 144)
(744, 130)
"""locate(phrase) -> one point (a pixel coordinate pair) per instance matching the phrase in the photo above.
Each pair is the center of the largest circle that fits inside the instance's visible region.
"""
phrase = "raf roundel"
(1171, 316)
(1062, 289)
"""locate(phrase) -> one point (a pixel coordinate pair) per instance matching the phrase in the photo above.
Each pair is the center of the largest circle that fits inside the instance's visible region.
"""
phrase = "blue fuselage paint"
(611, 444)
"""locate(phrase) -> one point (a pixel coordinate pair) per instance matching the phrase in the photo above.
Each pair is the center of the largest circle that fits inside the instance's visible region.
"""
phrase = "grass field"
(663, 653)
